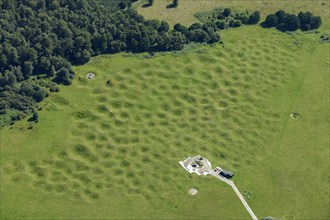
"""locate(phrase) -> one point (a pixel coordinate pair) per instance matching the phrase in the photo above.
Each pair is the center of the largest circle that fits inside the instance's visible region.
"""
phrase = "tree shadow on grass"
(170, 6)
(146, 5)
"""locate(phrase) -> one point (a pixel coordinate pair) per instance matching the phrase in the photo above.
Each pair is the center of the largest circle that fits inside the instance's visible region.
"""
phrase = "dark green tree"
(82, 57)
(177, 41)
(243, 17)
(144, 44)
(27, 89)
(308, 21)
(290, 23)
(175, 3)
(226, 12)
(164, 27)
(182, 29)
(271, 20)
(52, 71)
(281, 15)
(3, 61)
(152, 24)
(198, 35)
(254, 18)
(28, 68)
(305, 20)
(38, 94)
(195, 26)
(35, 116)
(178, 27)
(64, 76)
(235, 23)
(12, 57)
(221, 25)
(316, 22)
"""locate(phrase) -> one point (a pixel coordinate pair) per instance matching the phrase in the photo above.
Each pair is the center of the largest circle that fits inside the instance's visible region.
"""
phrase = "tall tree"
(254, 18)
(226, 12)
(164, 26)
(175, 3)
(271, 20)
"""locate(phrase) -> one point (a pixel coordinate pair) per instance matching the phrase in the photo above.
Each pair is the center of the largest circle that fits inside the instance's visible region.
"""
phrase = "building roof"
(197, 164)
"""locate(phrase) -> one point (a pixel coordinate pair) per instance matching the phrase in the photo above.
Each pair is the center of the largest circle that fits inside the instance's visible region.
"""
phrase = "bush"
(164, 27)
(235, 23)
(226, 12)
(195, 26)
(305, 20)
(175, 3)
(53, 87)
(152, 24)
(39, 95)
(221, 25)
(64, 76)
(316, 22)
(178, 27)
(82, 57)
(254, 18)
(290, 22)
(280, 16)
(271, 20)
(35, 116)
(243, 17)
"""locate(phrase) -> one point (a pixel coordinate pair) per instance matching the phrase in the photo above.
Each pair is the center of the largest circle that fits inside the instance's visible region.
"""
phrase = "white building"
(197, 164)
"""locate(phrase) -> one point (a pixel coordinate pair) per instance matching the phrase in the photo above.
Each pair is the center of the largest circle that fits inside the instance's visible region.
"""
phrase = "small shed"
(227, 174)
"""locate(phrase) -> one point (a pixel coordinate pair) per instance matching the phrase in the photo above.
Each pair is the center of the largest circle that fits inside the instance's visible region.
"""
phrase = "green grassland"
(187, 9)
(111, 150)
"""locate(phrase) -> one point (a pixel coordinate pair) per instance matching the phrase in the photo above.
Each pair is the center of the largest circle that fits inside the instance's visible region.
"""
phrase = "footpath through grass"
(109, 147)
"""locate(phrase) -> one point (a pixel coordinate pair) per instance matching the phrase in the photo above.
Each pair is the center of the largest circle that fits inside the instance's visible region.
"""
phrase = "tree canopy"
(225, 18)
(289, 22)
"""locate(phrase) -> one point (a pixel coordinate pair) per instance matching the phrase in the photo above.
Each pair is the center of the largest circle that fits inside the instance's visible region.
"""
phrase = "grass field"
(111, 150)
(185, 12)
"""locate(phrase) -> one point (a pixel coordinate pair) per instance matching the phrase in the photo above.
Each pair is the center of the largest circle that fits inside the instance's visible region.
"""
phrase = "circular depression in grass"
(221, 105)
(295, 115)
